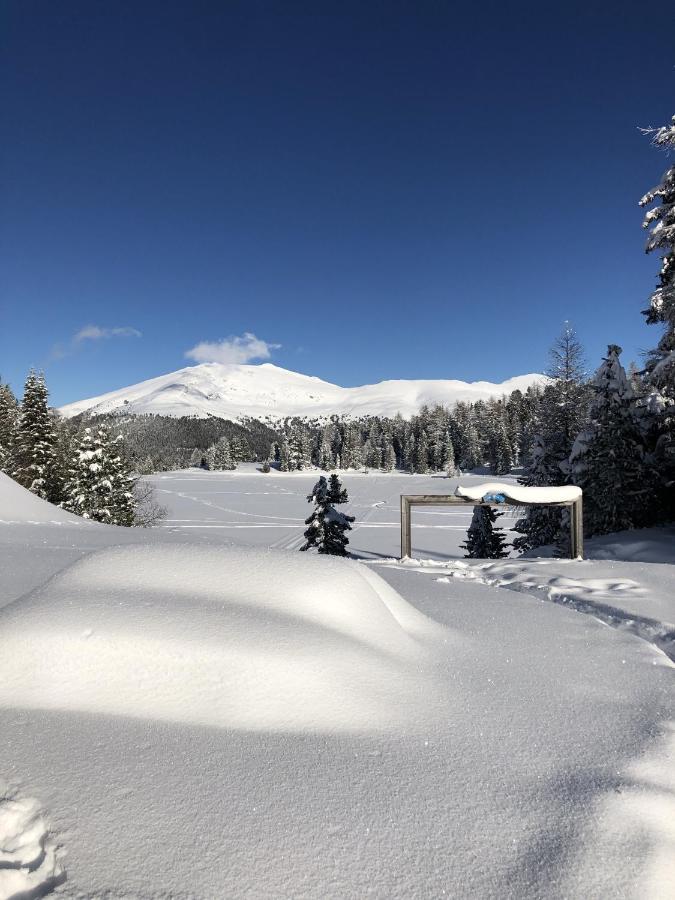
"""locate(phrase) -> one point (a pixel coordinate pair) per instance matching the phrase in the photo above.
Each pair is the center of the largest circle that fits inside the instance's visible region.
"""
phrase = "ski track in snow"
(572, 593)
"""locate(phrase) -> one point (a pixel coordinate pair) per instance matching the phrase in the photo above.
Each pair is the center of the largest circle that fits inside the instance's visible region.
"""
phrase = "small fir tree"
(101, 485)
(483, 540)
(327, 527)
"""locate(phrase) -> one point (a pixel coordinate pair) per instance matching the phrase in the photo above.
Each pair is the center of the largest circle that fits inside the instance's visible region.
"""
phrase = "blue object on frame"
(494, 498)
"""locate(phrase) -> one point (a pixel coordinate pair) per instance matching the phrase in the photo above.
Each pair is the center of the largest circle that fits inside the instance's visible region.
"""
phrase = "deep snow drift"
(262, 391)
(233, 638)
(200, 718)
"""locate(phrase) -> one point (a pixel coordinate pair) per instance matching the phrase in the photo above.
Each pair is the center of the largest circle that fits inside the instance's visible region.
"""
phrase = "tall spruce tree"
(563, 412)
(9, 417)
(501, 449)
(568, 395)
(608, 461)
(472, 455)
(34, 449)
(660, 367)
(285, 464)
(327, 527)
(222, 456)
(483, 540)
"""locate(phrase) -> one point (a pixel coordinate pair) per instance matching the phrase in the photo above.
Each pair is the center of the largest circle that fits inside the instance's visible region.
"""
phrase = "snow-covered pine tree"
(198, 458)
(501, 449)
(238, 450)
(540, 524)
(408, 445)
(352, 454)
(563, 412)
(567, 396)
(9, 417)
(326, 458)
(336, 493)
(285, 464)
(124, 499)
(607, 460)
(660, 368)
(299, 448)
(421, 464)
(472, 456)
(34, 455)
(100, 485)
(483, 540)
(209, 456)
(449, 464)
(222, 456)
(65, 435)
(327, 527)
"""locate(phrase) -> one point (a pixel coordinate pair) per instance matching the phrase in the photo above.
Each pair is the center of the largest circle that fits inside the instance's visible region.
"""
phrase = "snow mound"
(30, 863)
(518, 494)
(262, 391)
(18, 505)
(235, 638)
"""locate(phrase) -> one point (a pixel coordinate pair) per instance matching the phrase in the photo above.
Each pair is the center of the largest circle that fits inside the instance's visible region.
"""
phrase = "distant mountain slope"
(266, 391)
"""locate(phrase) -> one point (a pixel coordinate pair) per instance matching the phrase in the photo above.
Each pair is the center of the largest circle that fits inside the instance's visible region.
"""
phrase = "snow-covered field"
(248, 507)
(197, 711)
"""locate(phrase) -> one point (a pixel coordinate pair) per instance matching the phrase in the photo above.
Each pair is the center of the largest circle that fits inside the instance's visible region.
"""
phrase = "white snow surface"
(207, 714)
(17, 505)
(519, 494)
(266, 391)
(30, 861)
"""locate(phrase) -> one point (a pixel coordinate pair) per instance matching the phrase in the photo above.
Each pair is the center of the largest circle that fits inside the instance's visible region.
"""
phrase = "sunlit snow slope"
(237, 391)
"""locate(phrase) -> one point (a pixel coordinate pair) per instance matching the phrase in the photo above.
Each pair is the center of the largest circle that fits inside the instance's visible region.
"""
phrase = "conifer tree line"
(157, 443)
(494, 433)
(83, 470)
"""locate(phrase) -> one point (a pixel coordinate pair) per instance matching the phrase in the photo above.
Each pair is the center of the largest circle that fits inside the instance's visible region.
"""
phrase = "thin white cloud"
(88, 333)
(230, 350)
(95, 333)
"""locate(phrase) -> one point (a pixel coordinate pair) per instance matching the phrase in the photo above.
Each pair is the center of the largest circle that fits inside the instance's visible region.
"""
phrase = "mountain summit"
(267, 391)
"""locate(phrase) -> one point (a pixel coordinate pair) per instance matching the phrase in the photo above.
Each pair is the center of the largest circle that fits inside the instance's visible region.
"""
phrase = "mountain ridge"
(267, 391)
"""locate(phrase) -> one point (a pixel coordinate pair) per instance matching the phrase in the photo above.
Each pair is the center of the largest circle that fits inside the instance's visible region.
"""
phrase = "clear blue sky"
(385, 189)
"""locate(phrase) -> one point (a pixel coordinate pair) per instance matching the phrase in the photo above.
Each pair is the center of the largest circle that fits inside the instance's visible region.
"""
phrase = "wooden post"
(406, 543)
(577, 529)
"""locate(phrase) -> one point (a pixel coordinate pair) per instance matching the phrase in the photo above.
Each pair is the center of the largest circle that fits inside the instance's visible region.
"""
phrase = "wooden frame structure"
(410, 500)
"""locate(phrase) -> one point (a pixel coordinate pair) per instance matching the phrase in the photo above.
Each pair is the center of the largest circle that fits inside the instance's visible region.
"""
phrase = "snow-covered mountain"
(267, 391)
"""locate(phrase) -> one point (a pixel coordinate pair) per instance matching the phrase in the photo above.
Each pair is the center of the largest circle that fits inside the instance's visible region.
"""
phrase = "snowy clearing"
(202, 713)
